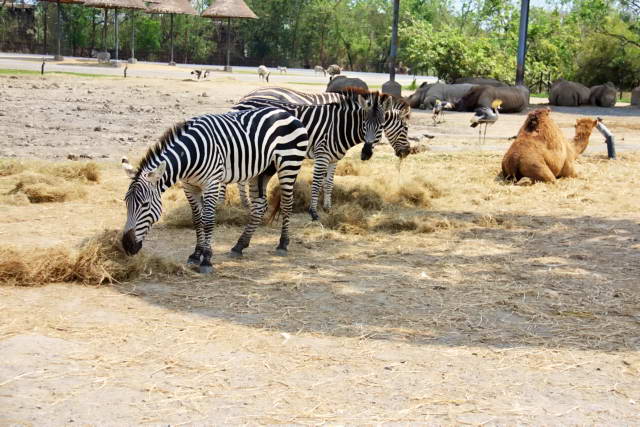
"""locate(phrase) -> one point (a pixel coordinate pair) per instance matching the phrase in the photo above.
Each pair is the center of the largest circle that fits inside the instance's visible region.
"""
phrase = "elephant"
(635, 96)
(426, 95)
(339, 83)
(514, 98)
(603, 95)
(568, 94)
(480, 81)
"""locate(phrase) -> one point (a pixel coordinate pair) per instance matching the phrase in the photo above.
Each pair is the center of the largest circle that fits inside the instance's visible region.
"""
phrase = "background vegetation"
(592, 41)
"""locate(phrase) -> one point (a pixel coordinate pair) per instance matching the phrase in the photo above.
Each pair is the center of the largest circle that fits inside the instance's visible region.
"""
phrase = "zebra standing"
(357, 116)
(395, 126)
(207, 152)
(319, 69)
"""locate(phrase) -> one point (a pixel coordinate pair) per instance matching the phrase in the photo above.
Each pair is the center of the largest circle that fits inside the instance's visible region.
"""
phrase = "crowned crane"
(438, 111)
(486, 116)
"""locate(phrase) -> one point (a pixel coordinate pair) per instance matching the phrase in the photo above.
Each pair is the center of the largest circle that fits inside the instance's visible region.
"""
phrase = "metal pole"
(228, 67)
(104, 31)
(115, 17)
(46, 9)
(171, 62)
(133, 37)
(394, 41)
(522, 41)
(59, 30)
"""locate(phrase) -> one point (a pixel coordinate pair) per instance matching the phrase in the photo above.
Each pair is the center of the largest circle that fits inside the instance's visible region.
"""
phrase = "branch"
(620, 37)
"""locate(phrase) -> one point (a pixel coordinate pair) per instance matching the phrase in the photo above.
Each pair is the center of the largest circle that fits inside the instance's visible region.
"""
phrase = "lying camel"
(540, 151)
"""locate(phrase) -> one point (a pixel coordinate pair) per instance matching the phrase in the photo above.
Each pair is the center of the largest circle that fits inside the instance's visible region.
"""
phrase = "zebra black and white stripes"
(355, 117)
(207, 152)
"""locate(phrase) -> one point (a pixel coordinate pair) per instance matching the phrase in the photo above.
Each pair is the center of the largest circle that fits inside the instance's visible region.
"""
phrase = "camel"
(540, 151)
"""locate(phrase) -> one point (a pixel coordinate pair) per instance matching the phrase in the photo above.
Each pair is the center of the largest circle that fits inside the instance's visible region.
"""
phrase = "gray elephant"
(568, 94)
(425, 97)
(480, 81)
(339, 83)
(514, 98)
(635, 96)
(603, 95)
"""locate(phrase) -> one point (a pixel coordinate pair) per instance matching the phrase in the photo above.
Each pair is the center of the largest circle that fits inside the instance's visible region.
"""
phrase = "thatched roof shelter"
(114, 4)
(229, 9)
(172, 7)
(58, 56)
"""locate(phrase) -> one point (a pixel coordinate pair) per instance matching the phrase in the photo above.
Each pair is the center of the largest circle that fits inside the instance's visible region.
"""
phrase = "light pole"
(522, 41)
(392, 87)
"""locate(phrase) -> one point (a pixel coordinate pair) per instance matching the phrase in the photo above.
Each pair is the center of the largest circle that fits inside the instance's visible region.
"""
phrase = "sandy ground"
(520, 307)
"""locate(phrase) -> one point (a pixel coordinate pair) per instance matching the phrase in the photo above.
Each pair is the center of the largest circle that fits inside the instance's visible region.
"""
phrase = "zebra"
(282, 69)
(356, 116)
(210, 151)
(263, 73)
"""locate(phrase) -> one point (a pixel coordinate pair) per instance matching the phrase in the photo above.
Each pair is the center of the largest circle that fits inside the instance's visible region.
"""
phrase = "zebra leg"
(258, 207)
(194, 196)
(209, 202)
(328, 185)
(242, 189)
(319, 173)
(222, 193)
(287, 179)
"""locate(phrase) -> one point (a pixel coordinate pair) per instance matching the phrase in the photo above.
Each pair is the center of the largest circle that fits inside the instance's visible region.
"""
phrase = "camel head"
(583, 127)
(534, 119)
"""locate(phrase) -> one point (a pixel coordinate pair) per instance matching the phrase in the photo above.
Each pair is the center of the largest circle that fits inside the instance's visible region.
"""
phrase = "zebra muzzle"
(129, 243)
(367, 151)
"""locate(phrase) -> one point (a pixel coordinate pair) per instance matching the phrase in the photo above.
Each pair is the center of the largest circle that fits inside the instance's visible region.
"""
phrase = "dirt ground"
(517, 305)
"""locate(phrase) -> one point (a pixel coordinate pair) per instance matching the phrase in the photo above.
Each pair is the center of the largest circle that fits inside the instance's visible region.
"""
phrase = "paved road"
(181, 71)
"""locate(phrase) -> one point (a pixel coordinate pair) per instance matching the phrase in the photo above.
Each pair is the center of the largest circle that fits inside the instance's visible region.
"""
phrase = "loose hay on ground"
(99, 260)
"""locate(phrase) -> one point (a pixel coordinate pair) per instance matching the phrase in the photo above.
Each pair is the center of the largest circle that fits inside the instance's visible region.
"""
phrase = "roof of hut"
(115, 4)
(229, 9)
(171, 6)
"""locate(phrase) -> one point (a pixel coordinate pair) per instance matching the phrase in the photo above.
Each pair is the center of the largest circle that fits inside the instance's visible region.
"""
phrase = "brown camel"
(541, 152)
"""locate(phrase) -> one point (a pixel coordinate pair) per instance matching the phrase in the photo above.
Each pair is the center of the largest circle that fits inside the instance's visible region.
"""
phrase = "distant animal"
(486, 116)
(438, 111)
(282, 70)
(426, 95)
(318, 69)
(603, 95)
(635, 96)
(42, 67)
(355, 117)
(200, 74)
(541, 152)
(480, 81)
(206, 152)
(514, 98)
(339, 83)
(124, 72)
(102, 57)
(333, 70)
(568, 94)
(263, 73)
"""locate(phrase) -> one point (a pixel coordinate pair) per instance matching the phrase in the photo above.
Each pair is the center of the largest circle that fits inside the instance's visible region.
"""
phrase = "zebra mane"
(165, 139)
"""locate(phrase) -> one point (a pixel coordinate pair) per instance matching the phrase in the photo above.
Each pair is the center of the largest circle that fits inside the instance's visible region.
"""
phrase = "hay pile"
(38, 182)
(98, 260)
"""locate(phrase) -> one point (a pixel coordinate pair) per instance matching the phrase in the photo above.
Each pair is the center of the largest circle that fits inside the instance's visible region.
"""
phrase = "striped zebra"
(395, 128)
(355, 117)
(207, 152)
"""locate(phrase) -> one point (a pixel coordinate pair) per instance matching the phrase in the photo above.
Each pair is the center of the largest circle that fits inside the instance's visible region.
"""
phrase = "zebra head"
(144, 204)
(396, 127)
(373, 110)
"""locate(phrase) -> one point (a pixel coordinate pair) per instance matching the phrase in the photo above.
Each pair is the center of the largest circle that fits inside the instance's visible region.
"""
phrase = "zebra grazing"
(208, 152)
(334, 127)
(318, 69)
(263, 73)
(282, 69)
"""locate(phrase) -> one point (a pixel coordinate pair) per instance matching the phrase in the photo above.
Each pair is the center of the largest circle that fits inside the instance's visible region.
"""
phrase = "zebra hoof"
(282, 252)
(206, 269)
(235, 254)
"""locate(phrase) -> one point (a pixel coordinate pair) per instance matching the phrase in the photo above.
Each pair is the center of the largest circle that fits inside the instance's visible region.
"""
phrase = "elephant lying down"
(427, 94)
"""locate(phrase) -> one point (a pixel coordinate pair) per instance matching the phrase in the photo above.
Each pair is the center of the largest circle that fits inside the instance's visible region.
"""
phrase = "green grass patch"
(12, 72)
(540, 95)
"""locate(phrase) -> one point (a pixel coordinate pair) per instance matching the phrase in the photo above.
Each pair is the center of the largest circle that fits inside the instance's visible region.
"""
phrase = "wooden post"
(171, 61)
(115, 18)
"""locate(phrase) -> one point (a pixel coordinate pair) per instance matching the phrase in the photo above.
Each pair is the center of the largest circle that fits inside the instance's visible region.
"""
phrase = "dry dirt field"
(433, 293)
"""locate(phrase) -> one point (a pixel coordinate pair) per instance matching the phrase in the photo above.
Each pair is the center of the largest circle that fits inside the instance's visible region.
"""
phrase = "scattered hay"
(11, 167)
(39, 188)
(349, 167)
(348, 218)
(99, 260)
(88, 172)
(181, 217)
(76, 171)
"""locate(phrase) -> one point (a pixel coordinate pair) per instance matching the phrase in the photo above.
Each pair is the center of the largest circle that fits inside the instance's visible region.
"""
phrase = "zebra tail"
(274, 205)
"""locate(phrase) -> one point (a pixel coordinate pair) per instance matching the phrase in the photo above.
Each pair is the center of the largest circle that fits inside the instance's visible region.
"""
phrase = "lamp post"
(392, 87)
(522, 41)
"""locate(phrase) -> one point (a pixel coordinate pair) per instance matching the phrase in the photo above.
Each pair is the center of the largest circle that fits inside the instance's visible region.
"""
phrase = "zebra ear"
(155, 175)
(387, 104)
(363, 102)
(128, 169)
